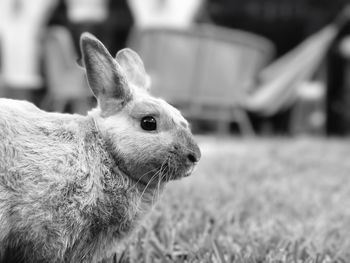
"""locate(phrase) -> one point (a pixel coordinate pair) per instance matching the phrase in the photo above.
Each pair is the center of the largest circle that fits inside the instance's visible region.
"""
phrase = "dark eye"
(148, 123)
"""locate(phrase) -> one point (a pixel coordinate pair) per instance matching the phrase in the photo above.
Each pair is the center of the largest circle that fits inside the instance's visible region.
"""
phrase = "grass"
(260, 200)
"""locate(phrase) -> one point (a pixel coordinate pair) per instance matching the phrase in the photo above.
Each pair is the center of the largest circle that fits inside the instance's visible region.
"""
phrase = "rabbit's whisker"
(157, 174)
(141, 177)
(148, 184)
(162, 175)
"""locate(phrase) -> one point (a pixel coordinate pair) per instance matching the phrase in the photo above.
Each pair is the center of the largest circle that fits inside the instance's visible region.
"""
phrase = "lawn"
(256, 200)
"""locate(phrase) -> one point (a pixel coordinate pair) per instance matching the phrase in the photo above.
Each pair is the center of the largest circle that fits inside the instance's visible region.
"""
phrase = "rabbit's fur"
(72, 186)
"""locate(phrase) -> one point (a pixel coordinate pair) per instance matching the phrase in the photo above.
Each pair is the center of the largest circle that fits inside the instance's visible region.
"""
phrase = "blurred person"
(87, 11)
(86, 15)
(21, 27)
(338, 85)
(165, 13)
(109, 20)
(286, 22)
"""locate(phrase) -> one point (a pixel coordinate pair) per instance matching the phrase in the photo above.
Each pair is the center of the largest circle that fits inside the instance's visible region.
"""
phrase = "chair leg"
(81, 106)
(223, 127)
(46, 103)
(59, 105)
(244, 122)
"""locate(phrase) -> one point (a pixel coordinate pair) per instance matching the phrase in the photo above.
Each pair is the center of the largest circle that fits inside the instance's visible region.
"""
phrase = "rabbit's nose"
(195, 154)
(192, 158)
(187, 147)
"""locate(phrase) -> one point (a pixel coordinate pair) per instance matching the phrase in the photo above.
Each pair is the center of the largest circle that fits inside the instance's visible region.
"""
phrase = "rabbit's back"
(41, 141)
(50, 168)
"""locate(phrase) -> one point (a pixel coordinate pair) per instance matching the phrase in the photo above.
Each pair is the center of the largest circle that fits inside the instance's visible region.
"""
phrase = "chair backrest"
(204, 65)
(170, 61)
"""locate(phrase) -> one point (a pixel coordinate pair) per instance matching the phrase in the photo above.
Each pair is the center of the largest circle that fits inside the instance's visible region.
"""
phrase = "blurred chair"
(204, 70)
(277, 85)
(285, 81)
(66, 82)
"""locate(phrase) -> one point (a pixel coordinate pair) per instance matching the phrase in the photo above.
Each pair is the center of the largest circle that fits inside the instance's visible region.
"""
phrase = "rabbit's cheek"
(150, 172)
(150, 175)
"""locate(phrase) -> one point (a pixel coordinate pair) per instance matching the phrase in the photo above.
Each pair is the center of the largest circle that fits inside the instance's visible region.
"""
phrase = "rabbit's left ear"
(133, 68)
(106, 77)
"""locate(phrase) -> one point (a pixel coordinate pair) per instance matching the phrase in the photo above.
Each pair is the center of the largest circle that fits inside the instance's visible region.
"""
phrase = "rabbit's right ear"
(133, 67)
(105, 76)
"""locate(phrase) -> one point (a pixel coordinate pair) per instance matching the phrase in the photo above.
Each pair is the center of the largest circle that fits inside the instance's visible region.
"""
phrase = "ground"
(253, 200)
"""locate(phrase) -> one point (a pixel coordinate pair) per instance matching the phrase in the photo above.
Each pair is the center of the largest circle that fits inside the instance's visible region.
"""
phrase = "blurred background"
(248, 67)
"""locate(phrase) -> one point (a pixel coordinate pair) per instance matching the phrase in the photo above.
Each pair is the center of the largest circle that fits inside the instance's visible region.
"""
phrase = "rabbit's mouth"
(189, 171)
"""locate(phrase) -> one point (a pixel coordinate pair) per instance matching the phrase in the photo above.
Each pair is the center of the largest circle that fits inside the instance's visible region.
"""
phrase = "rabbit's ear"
(106, 77)
(133, 67)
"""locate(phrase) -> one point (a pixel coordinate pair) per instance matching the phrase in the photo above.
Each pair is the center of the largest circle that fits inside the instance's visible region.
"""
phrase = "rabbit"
(73, 187)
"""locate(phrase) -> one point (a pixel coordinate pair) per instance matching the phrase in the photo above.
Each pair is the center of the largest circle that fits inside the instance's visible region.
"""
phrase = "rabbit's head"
(149, 139)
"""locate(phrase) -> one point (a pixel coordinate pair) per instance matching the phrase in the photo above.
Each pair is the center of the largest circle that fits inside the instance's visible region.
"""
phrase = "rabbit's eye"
(149, 123)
